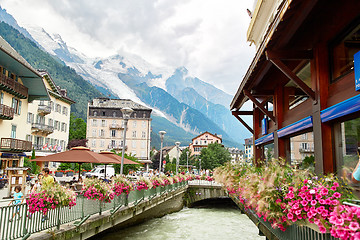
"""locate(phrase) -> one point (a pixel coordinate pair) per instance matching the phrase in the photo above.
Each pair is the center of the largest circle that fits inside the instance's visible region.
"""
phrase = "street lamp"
(162, 134)
(126, 111)
(200, 166)
(187, 161)
(177, 157)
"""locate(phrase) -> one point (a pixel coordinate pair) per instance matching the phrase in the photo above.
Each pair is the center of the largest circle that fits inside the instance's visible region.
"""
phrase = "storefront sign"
(264, 126)
(357, 70)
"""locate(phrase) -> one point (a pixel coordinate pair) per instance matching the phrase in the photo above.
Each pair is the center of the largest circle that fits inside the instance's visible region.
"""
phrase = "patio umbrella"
(77, 155)
(117, 158)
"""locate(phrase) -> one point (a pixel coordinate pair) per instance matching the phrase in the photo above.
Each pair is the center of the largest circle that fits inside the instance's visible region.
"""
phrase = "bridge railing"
(17, 222)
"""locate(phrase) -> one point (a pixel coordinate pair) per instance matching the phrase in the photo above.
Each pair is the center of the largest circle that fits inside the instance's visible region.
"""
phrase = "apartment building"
(20, 84)
(202, 141)
(301, 146)
(48, 121)
(236, 155)
(105, 127)
(249, 149)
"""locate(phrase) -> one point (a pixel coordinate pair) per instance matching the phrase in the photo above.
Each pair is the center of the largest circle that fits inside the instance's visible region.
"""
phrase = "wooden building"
(302, 79)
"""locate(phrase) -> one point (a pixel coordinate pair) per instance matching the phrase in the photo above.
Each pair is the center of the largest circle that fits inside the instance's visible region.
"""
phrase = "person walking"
(18, 195)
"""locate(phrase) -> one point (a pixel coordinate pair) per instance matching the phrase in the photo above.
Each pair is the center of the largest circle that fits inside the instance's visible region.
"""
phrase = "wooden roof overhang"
(296, 29)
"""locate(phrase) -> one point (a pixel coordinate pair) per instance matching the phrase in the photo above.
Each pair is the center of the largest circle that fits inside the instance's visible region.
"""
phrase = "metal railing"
(24, 223)
(44, 110)
(42, 127)
(13, 144)
(116, 126)
(6, 112)
(11, 86)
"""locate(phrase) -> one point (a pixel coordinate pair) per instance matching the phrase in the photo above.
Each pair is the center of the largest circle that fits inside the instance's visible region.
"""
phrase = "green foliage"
(183, 158)
(34, 168)
(78, 89)
(170, 167)
(77, 128)
(64, 166)
(127, 167)
(215, 155)
(308, 163)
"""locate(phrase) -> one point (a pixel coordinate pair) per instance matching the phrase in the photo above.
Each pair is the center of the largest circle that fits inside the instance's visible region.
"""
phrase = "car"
(99, 172)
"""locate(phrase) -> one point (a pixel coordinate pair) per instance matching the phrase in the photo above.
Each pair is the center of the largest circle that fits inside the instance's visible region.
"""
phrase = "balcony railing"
(15, 145)
(6, 112)
(39, 127)
(306, 150)
(44, 110)
(117, 147)
(115, 126)
(13, 87)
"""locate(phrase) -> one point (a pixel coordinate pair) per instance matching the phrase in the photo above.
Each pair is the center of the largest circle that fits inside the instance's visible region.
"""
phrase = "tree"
(183, 157)
(213, 156)
(77, 143)
(77, 128)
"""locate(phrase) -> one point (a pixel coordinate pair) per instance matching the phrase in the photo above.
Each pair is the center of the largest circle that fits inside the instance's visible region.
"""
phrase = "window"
(113, 144)
(135, 115)
(102, 143)
(304, 146)
(103, 123)
(133, 153)
(143, 154)
(95, 113)
(30, 118)
(134, 124)
(93, 143)
(113, 133)
(196, 142)
(143, 124)
(133, 144)
(58, 108)
(94, 132)
(144, 115)
(101, 133)
(114, 114)
(52, 105)
(16, 105)
(1, 98)
(94, 123)
(29, 137)
(13, 131)
(304, 136)
(343, 52)
(143, 144)
(143, 134)
(134, 134)
(65, 111)
(205, 142)
(104, 113)
(63, 127)
(51, 122)
(56, 126)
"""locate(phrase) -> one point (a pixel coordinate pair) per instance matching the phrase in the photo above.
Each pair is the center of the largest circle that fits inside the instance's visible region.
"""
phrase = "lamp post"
(162, 134)
(177, 157)
(126, 111)
(187, 161)
(200, 166)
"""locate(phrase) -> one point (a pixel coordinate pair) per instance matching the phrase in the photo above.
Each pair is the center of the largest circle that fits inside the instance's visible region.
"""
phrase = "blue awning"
(341, 109)
(264, 139)
(12, 155)
(295, 127)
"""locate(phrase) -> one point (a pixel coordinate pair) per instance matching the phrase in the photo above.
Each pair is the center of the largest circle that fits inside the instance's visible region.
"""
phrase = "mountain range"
(183, 105)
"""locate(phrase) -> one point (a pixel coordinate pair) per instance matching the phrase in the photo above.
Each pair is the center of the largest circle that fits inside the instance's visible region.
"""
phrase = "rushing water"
(208, 222)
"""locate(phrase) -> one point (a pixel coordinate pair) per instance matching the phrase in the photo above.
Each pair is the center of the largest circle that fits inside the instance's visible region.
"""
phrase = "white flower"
(312, 191)
(310, 182)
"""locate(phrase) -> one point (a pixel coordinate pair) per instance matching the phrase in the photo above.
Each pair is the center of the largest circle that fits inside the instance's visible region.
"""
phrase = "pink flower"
(322, 229)
(313, 202)
(337, 195)
(354, 226)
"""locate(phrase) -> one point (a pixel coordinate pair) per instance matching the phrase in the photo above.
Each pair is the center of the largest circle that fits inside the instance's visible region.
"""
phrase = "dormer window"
(114, 114)
(95, 113)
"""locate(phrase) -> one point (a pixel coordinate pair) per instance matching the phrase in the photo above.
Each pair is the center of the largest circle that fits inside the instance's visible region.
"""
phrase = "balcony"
(42, 128)
(44, 110)
(15, 145)
(6, 112)
(117, 147)
(306, 150)
(116, 126)
(11, 86)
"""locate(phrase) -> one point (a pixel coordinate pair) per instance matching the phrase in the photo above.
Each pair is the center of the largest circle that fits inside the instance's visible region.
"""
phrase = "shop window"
(343, 53)
(347, 149)
(296, 95)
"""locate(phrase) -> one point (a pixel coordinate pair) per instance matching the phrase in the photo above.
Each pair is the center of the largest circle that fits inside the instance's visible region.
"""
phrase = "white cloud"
(207, 37)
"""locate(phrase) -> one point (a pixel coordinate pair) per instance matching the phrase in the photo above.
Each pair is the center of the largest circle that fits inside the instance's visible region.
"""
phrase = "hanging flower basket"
(121, 185)
(97, 189)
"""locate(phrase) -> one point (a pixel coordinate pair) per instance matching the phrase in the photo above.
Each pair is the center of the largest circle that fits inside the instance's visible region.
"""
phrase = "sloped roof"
(117, 103)
(214, 135)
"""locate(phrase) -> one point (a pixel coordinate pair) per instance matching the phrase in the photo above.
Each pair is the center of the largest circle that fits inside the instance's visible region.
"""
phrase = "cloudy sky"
(206, 36)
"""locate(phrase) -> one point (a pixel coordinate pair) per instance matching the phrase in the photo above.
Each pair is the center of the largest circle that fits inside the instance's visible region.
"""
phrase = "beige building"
(301, 147)
(48, 121)
(249, 149)
(19, 84)
(105, 127)
(202, 141)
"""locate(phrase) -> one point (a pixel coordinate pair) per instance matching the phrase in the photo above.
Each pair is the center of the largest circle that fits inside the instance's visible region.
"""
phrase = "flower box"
(59, 174)
(70, 174)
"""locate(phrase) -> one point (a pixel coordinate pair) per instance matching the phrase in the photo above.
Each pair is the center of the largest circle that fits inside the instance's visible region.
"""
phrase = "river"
(220, 221)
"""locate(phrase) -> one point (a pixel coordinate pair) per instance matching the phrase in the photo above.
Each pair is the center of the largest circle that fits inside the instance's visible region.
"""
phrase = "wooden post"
(258, 156)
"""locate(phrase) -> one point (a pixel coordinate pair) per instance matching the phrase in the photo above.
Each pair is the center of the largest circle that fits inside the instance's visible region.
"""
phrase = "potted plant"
(59, 173)
(69, 173)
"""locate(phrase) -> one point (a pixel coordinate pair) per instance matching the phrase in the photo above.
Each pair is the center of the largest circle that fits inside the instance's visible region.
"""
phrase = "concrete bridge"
(136, 211)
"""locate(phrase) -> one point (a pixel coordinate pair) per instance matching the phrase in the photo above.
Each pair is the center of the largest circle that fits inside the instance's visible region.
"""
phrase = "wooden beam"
(292, 76)
(244, 123)
(289, 54)
(241, 113)
(259, 105)
(262, 93)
